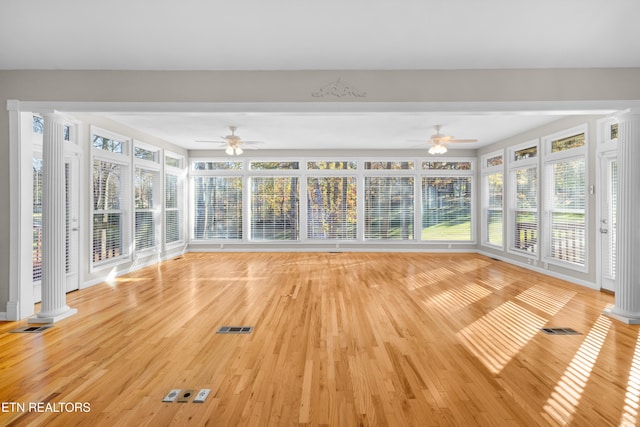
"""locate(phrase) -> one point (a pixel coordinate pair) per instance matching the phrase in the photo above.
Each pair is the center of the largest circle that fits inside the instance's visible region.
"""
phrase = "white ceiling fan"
(234, 144)
(439, 141)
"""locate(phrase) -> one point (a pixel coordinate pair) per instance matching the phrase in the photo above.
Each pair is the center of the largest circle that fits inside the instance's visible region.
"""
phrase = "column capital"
(627, 115)
(53, 116)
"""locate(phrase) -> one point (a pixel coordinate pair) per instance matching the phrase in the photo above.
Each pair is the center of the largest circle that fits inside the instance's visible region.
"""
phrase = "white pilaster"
(54, 299)
(627, 283)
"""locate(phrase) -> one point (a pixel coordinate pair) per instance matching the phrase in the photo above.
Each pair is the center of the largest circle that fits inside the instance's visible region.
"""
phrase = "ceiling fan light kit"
(437, 149)
(439, 140)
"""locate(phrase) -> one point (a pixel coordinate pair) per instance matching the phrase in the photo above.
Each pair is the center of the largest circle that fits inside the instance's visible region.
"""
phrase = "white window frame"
(394, 173)
(605, 142)
(123, 159)
(152, 166)
(487, 171)
(512, 166)
(303, 174)
(327, 173)
(181, 172)
(549, 159)
(430, 173)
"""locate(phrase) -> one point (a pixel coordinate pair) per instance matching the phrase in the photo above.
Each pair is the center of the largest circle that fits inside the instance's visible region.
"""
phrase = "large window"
(171, 208)
(447, 200)
(492, 200)
(274, 208)
(110, 194)
(525, 182)
(109, 231)
(388, 208)
(446, 208)
(173, 200)
(145, 189)
(322, 200)
(217, 207)
(331, 211)
(523, 176)
(565, 198)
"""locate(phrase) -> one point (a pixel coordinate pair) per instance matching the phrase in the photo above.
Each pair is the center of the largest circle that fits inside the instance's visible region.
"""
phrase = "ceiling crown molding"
(338, 89)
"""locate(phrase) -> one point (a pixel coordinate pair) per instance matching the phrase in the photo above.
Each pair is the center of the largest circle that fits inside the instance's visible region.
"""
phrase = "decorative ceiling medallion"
(338, 89)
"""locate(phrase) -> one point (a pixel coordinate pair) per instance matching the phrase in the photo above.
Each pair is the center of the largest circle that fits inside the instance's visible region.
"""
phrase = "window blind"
(331, 208)
(37, 218)
(173, 231)
(274, 208)
(526, 209)
(108, 191)
(613, 228)
(566, 203)
(388, 211)
(218, 207)
(446, 208)
(493, 226)
(145, 228)
(67, 217)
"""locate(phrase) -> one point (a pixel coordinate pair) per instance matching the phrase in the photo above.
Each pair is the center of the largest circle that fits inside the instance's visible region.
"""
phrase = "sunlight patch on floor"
(632, 398)
(499, 335)
(454, 299)
(427, 278)
(565, 398)
(497, 284)
(549, 300)
(470, 265)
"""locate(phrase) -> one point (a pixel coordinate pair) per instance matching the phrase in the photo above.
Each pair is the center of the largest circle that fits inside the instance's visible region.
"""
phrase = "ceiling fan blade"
(442, 138)
(213, 142)
(462, 140)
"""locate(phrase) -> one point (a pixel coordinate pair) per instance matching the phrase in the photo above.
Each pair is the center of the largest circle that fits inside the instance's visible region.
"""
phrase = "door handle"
(604, 230)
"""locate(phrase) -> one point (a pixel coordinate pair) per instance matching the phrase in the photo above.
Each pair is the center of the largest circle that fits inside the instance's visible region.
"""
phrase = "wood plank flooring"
(344, 339)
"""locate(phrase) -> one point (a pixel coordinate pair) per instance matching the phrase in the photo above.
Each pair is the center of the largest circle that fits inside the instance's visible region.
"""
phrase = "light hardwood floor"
(341, 339)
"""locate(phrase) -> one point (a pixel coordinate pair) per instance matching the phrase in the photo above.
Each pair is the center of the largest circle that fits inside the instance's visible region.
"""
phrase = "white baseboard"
(136, 266)
(555, 274)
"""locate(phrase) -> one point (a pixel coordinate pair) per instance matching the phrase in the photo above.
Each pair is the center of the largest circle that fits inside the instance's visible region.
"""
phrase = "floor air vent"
(30, 329)
(560, 331)
(235, 330)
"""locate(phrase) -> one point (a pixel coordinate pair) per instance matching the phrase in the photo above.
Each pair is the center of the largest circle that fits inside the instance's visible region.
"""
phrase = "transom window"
(108, 144)
(335, 165)
(525, 153)
(214, 166)
(388, 165)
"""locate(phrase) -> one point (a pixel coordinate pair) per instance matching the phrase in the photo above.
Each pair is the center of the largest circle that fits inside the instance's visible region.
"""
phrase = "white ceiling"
(321, 35)
(334, 131)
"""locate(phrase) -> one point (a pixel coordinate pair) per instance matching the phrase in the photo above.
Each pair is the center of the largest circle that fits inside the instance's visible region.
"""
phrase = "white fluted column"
(54, 298)
(627, 283)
